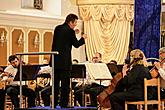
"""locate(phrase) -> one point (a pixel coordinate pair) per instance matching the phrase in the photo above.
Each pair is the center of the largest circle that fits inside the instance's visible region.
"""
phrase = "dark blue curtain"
(147, 27)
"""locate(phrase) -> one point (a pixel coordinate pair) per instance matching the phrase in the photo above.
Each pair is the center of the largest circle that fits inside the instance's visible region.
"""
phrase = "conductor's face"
(15, 63)
(73, 24)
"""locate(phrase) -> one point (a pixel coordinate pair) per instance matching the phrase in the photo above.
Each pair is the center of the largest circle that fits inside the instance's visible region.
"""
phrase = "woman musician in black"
(132, 82)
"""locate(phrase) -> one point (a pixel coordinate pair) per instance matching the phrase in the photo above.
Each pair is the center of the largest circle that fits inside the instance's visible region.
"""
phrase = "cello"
(103, 97)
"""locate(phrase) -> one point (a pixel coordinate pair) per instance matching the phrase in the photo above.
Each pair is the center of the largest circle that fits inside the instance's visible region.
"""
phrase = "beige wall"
(69, 6)
(29, 21)
(10, 4)
(51, 7)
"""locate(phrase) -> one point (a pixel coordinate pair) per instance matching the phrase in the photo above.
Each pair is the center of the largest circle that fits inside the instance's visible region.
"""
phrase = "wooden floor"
(59, 108)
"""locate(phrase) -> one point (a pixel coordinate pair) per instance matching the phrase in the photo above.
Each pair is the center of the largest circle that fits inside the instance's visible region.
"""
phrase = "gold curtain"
(108, 30)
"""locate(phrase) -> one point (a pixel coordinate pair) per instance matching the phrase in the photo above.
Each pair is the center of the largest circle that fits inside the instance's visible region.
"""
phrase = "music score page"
(98, 71)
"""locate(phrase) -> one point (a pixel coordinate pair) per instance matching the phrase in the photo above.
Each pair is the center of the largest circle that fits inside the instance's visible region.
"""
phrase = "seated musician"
(91, 86)
(132, 82)
(47, 90)
(43, 85)
(13, 88)
(2, 92)
(2, 99)
(161, 69)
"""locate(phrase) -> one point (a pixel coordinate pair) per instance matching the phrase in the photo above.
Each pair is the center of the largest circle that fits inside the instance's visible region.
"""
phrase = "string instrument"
(4, 78)
(103, 97)
(154, 71)
(2, 82)
(42, 80)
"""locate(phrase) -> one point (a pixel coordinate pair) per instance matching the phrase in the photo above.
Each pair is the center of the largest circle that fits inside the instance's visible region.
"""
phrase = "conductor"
(64, 39)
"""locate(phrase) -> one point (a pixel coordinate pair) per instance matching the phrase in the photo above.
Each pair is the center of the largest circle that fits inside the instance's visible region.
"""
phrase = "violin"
(154, 71)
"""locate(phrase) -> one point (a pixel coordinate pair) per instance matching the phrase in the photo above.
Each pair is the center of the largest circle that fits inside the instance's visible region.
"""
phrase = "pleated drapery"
(108, 30)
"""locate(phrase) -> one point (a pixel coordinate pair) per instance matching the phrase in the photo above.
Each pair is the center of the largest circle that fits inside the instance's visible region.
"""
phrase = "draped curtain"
(147, 27)
(108, 30)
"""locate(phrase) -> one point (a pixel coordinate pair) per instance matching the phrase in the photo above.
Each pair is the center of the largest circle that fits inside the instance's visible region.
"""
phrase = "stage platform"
(59, 108)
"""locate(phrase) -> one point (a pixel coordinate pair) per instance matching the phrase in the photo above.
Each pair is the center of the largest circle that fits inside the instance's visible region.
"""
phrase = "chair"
(147, 83)
(87, 99)
(8, 103)
(162, 102)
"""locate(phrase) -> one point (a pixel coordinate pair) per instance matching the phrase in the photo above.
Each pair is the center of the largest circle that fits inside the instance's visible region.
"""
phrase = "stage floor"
(59, 108)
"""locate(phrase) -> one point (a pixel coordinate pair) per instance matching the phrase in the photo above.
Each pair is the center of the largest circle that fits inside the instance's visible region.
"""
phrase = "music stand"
(38, 53)
(29, 72)
(78, 71)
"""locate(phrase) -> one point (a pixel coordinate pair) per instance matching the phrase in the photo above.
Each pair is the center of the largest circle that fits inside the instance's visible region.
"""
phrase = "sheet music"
(98, 71)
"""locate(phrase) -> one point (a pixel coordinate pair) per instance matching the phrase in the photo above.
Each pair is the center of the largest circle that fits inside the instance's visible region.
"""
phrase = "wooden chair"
(87, 99)
(163, 102)
(147, 83)
(8, 103)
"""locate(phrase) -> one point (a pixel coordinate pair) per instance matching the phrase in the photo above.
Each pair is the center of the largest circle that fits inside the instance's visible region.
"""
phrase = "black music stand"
(112, 68)
(29, 72)
(78, 71)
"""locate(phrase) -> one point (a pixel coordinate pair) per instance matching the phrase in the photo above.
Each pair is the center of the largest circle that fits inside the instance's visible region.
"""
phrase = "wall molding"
(104, 2)
(29, 20)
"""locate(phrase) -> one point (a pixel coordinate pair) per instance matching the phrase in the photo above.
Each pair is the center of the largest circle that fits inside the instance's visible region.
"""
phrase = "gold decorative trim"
(104, 2)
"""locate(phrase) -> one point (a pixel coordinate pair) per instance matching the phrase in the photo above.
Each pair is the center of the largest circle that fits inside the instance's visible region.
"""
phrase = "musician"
(13, 86)
(2, 93)
(161, 69)
(47, 90)
(44, 89)
(91, 86)
(132, 82)
(2, 99)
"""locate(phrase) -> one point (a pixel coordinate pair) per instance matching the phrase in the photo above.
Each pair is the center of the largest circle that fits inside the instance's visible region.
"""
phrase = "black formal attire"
(13, 92)
(133, 83)
(92, 89)
(45, 94)
(64, 39)
(2, 99)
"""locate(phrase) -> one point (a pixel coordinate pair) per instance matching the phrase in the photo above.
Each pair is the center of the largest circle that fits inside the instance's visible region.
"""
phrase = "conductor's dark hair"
(12, 57)
(71, 18)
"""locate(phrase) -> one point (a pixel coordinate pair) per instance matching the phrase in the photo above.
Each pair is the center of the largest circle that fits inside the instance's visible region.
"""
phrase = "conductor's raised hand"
(84, 35)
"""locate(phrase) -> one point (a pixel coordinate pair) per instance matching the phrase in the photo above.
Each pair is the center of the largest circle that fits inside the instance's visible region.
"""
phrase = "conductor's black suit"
(64, 39)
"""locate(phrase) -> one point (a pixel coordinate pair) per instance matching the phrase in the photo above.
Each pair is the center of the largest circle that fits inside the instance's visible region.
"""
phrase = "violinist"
(132, 82)
(161, 70)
